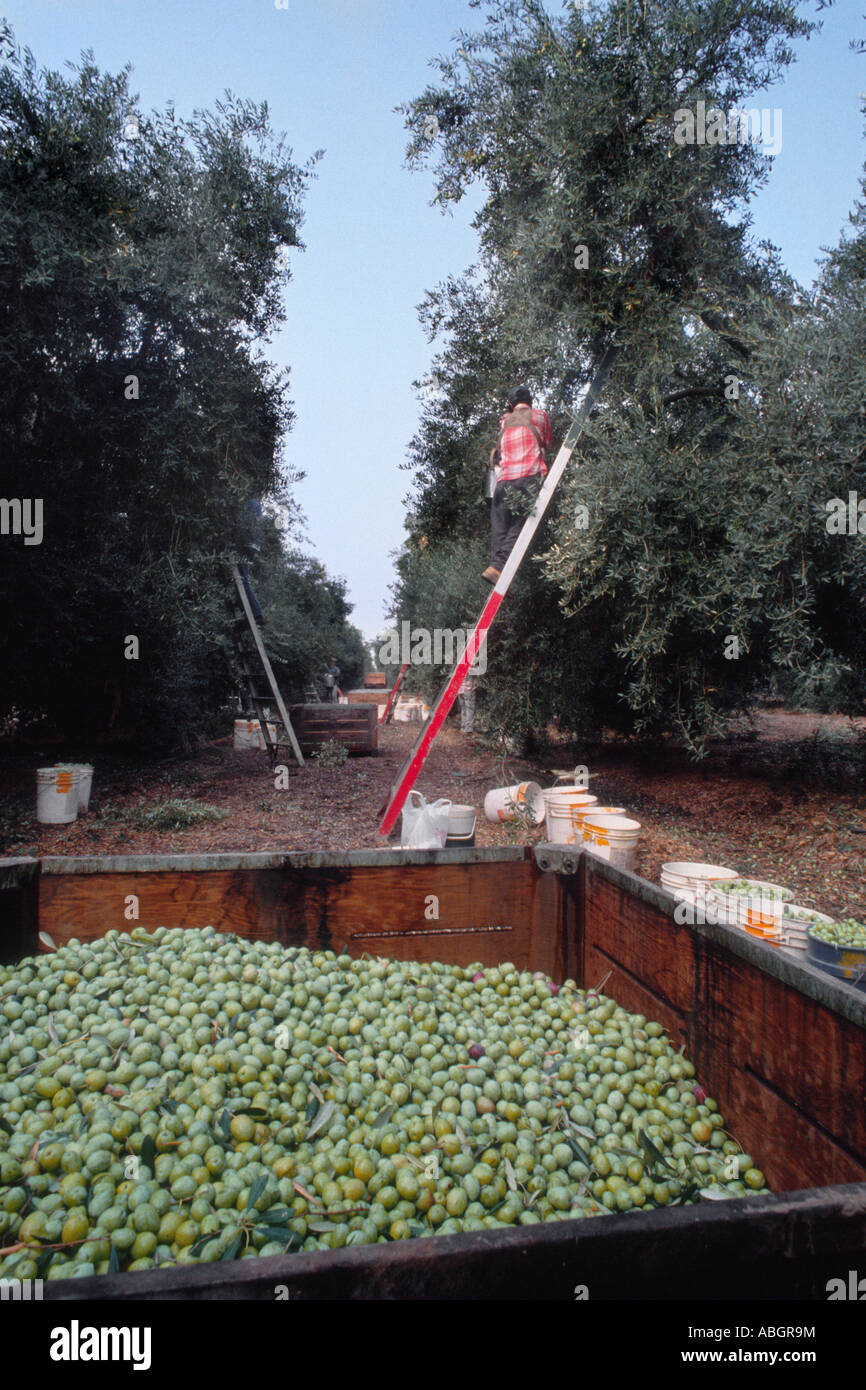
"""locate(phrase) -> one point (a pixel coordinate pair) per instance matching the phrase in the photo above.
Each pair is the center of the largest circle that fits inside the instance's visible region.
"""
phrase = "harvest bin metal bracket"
(777, 1042)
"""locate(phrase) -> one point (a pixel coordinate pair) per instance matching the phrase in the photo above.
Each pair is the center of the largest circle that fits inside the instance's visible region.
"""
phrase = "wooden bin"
(777, 1042)
(353, 726)
(368, 697)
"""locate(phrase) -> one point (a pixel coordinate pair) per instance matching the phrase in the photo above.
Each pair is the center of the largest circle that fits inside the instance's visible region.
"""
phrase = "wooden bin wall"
(459, 905)
(355, 727)
(778, 1043)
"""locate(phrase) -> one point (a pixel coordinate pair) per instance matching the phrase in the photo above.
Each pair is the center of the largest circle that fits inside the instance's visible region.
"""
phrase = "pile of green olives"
(187, 1096)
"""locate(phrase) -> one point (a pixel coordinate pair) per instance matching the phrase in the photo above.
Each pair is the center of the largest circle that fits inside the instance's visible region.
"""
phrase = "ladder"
(408, 774)
(249, 645)
(392, 698)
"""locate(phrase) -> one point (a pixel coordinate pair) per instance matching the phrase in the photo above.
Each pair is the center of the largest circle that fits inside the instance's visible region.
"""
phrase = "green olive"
(457, 1100)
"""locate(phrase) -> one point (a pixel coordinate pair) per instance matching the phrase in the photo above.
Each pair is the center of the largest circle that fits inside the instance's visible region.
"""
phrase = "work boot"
(490, 574)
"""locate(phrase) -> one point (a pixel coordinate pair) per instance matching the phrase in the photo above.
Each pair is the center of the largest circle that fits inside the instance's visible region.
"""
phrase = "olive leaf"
(113, 1261)
(311, 1110)
(577, 1150)
(655, 1154)
(278, 1233)
(148, 1151)
(509, 1176)
(225, 1123)
(321, 1226)
(321, 1119)
(232, 1250)
(43, 1262)
(277, 1216)
(317, 1093)
(715, 1193)
(255, 1112)
(5, 1126)
(52, 1031)
(199, 1245)
(383, 1117)
(256, 1191)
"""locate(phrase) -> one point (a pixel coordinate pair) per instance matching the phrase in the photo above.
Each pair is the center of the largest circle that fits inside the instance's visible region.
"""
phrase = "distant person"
(524, 436)
(466, 696)
(332, 681)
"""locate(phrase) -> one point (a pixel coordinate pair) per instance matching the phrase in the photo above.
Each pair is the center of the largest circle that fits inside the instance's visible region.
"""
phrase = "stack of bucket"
(62, 791)
(565, 808)
(574, 817)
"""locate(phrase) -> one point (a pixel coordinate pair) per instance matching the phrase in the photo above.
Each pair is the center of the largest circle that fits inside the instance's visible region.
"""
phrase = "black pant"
(248, 589)
(505, 524)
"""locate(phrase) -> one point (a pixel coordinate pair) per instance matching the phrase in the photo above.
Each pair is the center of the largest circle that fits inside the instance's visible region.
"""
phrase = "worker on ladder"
(519, 458)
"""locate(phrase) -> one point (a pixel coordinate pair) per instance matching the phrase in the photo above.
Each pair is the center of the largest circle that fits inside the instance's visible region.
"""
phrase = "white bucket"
(757, 912)
(503, 803)
(565, 808)
(247, 734)
(692, 877)
(613, 838)
(461, 820)
(57, 792)
(85, 772)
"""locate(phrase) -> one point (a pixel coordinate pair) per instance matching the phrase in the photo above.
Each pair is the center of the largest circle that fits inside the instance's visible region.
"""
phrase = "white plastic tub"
(57, 792)
(613, 838)
(506, 803)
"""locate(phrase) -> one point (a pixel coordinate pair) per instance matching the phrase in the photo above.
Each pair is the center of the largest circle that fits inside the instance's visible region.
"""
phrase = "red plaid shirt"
(519, 454)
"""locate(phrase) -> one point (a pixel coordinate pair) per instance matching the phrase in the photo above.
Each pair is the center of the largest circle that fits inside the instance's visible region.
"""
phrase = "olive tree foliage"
(686, 560)
(143, 259)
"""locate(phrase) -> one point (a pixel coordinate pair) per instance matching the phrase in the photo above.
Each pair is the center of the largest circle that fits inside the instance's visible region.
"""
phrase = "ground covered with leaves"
(783, 800)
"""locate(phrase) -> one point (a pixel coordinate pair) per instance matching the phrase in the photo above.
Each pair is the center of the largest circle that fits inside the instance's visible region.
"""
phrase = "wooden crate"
(353, 726)
(375, 680)
(780, 1044)
(368, 697)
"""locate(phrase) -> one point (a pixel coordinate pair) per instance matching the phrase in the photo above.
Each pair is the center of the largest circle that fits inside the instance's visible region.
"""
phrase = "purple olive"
(476, 1050)
(554, 989)
(479, 975)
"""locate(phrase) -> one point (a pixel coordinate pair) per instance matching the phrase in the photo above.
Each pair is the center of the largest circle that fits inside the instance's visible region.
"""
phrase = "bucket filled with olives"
(840, 949)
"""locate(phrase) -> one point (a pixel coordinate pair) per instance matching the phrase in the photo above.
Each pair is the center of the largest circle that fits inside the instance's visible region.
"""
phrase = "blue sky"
(332, 71)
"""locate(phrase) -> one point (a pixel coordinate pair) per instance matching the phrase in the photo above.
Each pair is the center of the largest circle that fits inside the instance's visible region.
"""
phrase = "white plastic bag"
(424, 824)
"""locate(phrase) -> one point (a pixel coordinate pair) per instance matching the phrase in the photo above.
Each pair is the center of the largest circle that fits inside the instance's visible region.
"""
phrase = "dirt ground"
(783, 799)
